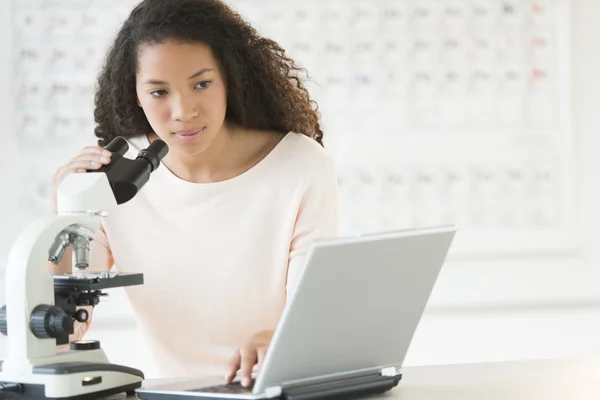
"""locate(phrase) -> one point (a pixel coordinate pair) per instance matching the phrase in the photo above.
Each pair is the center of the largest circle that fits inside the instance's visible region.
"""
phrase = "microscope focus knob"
(50, 321)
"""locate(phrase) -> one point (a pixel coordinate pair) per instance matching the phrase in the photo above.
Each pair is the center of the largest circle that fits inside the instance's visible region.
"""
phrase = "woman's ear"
(137, 99)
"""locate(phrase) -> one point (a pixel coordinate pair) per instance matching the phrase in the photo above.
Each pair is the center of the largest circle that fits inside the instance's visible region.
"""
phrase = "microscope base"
(37, 392)
(71, 380)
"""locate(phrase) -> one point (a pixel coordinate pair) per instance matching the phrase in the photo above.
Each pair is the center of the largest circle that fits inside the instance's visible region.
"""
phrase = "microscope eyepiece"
(118, 146)
(154, 153)
(127, 176)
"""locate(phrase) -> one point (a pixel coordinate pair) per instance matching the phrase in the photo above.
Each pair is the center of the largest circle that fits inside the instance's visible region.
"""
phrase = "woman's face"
(182, 91)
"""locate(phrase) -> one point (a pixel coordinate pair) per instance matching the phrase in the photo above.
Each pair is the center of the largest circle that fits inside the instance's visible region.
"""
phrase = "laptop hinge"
(389, 371)
(273, 392)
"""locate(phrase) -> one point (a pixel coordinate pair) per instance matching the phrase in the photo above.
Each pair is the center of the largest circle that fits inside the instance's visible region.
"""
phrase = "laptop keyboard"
(228, 388)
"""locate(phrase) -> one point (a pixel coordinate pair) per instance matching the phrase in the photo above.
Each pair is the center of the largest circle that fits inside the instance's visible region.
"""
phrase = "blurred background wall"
(480, 113)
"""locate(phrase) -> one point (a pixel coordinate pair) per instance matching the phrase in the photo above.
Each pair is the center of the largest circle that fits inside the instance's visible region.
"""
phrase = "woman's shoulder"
(301, 147)
(299, 158)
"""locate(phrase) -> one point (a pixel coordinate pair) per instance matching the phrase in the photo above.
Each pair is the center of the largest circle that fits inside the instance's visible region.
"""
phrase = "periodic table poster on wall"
(437, 111)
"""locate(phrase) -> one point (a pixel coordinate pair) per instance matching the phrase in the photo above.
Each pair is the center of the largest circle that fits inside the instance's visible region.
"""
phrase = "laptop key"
(228, 388)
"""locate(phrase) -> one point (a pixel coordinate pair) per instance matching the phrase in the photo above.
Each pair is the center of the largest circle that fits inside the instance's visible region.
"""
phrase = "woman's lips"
(189, 135)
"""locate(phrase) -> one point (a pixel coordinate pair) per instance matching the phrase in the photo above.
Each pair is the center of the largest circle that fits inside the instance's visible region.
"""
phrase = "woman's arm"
(318, 218)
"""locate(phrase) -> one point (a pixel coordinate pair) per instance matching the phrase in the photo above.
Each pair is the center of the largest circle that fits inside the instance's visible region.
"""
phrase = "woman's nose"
(183, 109)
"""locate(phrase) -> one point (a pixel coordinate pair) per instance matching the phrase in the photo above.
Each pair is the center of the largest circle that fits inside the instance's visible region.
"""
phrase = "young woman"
(221, 228)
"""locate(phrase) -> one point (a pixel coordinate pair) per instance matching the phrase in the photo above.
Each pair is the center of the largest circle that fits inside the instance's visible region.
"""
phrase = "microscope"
(41, 309)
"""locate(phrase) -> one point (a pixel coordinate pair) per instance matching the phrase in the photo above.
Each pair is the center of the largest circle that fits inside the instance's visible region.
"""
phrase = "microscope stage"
(95, 281)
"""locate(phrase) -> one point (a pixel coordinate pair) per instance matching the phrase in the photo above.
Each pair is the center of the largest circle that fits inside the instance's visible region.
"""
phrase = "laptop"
(348, 327)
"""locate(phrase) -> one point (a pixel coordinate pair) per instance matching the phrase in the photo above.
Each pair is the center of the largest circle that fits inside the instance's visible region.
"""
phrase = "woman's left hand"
(251, 353)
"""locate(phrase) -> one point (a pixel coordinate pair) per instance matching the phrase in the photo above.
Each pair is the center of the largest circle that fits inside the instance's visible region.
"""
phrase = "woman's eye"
(203, 84)
(158, 93)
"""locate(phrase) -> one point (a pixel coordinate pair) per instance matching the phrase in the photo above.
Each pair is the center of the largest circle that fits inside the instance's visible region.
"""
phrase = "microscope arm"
(29, 289)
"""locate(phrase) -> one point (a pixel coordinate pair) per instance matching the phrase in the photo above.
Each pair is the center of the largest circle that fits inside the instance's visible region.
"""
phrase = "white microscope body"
(35, 367)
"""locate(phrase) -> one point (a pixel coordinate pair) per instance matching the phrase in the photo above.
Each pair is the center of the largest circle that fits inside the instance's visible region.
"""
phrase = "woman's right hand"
(90, 158)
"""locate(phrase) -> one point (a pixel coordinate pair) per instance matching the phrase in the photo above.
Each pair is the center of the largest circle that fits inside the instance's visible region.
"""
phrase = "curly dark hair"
(264, 88)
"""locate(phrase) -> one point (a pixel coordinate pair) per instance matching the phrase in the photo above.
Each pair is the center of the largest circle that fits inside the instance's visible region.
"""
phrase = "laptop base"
(353, 388)
(343, 389)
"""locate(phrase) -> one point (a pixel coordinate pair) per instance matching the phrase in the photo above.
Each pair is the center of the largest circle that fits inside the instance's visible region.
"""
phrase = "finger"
(76, 164)
(95, 150)
(58, 175)
(249, 357)
(101, 158)
(233, 366)
(261, 357)
(81, 163)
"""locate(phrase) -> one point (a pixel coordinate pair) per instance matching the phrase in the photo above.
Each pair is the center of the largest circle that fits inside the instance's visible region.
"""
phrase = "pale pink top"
(219, 259)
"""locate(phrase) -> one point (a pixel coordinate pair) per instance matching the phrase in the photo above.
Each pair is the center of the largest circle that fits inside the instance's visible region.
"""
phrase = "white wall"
(9, 159)
(5, 69)
(6, 136)
(5, 133)
(586, 95)
(477, 281)
(573, 278)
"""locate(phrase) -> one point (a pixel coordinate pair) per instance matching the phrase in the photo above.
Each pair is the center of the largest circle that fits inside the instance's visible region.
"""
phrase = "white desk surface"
(554, 379)
(567, 379)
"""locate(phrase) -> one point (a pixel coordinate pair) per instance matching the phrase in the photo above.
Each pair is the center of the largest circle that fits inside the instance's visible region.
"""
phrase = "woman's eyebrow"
(159, 82)
(197, 74)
